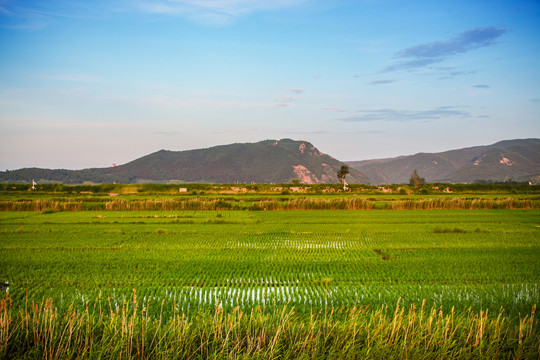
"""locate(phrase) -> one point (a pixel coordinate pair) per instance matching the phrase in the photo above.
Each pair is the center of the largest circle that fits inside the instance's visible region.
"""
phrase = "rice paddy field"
(437, 283)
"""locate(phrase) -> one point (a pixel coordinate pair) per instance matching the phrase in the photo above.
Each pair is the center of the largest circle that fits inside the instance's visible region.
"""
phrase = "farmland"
(327, 264)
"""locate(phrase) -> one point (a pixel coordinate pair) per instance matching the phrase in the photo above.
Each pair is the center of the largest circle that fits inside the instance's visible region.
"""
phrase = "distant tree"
(295, 181)
(416, 180)
(344, 171)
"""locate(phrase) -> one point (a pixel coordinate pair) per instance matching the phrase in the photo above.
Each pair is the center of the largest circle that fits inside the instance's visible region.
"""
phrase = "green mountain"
(269, 161)
(518, 160)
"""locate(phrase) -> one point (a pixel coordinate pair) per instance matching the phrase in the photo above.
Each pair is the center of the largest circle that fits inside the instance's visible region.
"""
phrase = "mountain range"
(269, 161)
(281, 161)
(517, 160)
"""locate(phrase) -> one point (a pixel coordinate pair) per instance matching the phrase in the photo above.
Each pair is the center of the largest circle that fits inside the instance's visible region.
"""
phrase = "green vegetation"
(159, 282)
(58, 197)
(511, 159)
(415, 179)
(193, 258)
(272, 161)
(269, 161)
(102, 330)
(342, 173)
(7, 191)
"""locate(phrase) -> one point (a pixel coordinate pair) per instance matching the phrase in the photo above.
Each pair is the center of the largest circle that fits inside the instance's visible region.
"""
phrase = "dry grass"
(304, 203)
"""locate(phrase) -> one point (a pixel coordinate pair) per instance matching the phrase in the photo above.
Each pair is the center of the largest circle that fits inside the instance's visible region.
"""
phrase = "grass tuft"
(102, 330)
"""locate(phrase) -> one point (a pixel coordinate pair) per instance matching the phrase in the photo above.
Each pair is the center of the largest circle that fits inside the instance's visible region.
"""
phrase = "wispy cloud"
(217, 12)
(34, 15)
(410, 64)
(381, 82)
(297, 91)
(481, 86)
(285, 101)
(405, 115)
(423, 55)
(457, 72)
(14, 16)
(451, 72)
(463, 42)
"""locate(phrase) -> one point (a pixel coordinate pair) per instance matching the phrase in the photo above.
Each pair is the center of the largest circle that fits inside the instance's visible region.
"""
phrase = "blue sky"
(91, 83)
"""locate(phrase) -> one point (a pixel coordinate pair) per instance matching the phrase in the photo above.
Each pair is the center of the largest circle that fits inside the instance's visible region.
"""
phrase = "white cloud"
(406, 115)
(26, 15)
(426, 54)
(35, 15)
(382, 82)
(284, 99)
(213, 11)
(297, 91)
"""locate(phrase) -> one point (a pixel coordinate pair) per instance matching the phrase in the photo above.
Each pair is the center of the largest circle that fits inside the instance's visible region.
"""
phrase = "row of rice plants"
(270, 292)
(283, 262)
(205, 290)
(270, 264)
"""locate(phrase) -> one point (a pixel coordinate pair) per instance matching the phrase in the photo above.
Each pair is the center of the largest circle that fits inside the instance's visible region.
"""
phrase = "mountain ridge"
(267, 161)
(517, 159)
(281, 161)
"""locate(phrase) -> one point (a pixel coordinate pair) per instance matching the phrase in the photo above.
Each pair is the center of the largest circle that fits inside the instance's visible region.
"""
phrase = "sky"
(89, 83)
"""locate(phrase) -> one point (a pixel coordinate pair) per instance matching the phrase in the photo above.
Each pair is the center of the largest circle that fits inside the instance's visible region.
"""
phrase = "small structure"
(33, 185)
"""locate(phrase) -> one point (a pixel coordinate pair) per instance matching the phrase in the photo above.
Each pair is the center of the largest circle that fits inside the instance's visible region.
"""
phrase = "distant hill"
(269, 161)
(518, 160)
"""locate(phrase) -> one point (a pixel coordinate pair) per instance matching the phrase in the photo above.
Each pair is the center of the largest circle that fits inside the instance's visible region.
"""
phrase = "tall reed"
(462, 203)
(103, 330)
(42, 204)
(294, 203)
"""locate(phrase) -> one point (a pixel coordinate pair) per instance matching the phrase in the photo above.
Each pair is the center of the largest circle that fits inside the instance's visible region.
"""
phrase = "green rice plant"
(272, 258)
